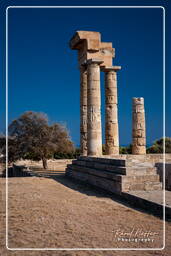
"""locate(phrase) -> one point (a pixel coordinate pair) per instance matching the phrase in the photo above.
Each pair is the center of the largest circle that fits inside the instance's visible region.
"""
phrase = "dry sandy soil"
(64, 213)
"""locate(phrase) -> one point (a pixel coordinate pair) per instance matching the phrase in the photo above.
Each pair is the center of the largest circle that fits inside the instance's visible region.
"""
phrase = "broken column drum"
(138, 127)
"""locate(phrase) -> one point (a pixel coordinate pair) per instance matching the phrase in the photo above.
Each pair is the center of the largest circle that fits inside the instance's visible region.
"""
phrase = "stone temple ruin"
(113, 172)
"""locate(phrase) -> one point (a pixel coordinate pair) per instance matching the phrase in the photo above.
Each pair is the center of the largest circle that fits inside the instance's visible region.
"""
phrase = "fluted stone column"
(111, 111)
(138, 127)
(83, 109)
(94, 130)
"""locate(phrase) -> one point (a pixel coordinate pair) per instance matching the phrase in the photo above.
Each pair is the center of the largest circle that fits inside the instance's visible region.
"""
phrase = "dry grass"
(62, 213)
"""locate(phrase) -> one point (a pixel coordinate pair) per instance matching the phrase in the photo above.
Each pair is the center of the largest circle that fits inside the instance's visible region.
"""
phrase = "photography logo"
(135, 235)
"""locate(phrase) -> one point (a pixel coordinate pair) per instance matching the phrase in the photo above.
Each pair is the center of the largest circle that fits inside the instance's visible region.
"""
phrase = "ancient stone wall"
(115, 175)
(151, 158)
(160, 169)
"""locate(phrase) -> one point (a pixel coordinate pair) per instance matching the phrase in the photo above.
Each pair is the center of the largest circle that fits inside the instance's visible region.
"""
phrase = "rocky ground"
(62, 213)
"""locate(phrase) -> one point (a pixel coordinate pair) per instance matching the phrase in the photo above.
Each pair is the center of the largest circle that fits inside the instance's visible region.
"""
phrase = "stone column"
(94, 130)
(138, 127)
(111, 111)
(83, 110)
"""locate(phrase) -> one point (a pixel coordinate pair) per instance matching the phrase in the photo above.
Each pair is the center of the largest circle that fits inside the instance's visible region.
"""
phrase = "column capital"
(83, 66)
(94, 61)
(112, 68)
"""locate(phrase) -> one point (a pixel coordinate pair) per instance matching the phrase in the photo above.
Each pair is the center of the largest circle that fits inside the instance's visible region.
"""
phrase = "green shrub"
(125, 150)
(158, 146)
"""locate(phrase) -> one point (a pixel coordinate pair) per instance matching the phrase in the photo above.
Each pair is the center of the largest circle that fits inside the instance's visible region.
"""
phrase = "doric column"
(83, 110)
(94, 130)
(111, 111)
(138, 127)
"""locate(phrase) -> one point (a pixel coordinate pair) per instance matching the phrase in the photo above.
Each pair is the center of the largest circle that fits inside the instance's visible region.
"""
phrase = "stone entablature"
(89, 46)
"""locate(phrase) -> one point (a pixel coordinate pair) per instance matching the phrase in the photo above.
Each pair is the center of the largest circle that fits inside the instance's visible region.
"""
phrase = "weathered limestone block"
(89, 46)
(138, 127)
(83, 110)
(92, 38)
(138, 133)
(111, 111)
(116, 175)
(94, 132)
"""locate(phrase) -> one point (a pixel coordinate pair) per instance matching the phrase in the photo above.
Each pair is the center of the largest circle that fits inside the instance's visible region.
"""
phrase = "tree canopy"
(32, 134)
(158, 146)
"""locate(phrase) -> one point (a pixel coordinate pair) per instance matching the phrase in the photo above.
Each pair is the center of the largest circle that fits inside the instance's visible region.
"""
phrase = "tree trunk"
(44, 160)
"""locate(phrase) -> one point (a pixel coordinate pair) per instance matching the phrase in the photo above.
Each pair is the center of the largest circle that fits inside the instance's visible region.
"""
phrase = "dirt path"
(64, 214)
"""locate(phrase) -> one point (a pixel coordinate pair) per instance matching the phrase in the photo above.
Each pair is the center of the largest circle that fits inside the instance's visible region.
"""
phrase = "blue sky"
(44, 74)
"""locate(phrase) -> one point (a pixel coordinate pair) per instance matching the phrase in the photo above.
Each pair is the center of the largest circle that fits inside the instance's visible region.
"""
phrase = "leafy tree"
(167, 145)
(125, 150)
(157, 146)
(33, 135)
(13, 153)
(77, 153)
(68, 155)
(32, 156)
(2, 147)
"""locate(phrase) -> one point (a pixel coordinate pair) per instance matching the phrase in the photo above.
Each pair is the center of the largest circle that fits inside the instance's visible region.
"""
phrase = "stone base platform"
(150, 201)
(117, 175)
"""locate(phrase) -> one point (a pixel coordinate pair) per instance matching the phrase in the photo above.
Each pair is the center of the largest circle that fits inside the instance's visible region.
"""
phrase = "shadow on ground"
(84, 188)
(91, 190)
